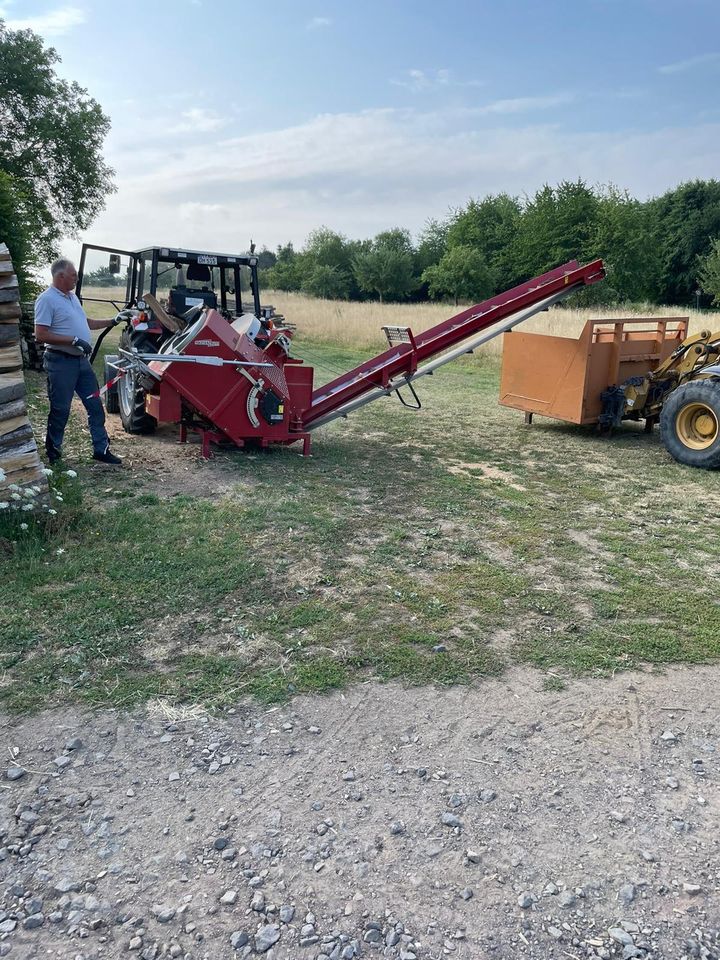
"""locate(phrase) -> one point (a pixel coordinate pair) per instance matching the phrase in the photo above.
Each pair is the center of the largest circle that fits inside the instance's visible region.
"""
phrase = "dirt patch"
(495, 821)
(484, 471)
(167, 468)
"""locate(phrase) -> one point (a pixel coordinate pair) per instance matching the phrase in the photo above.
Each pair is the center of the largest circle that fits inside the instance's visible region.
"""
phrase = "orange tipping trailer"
(563, 377)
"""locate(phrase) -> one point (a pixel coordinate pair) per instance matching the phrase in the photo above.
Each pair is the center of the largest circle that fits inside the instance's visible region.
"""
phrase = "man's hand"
(82, 345)
(122, 317)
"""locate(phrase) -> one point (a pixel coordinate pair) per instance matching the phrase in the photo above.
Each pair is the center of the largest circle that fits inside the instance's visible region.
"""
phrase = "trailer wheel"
(690, 424)
(131, 396)
(112, 403)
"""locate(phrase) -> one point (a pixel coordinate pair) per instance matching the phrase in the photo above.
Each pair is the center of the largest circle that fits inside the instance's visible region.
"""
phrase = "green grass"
(456, 526)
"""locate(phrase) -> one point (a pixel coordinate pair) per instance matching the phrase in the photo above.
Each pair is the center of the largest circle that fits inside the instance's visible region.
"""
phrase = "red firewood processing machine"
(231, 382)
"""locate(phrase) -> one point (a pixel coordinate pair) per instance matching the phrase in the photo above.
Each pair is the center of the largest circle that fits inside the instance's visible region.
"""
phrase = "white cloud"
(420, 81)
(317, 23)
(684, 66)
(55, 23)
(198, 120)
(363, 172)
(526, 104)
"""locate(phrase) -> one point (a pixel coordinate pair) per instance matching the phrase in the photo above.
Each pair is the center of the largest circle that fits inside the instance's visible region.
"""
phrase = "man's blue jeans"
(68, 375)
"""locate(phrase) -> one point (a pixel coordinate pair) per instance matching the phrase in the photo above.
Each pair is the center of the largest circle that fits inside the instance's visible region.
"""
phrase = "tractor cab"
(181, 279)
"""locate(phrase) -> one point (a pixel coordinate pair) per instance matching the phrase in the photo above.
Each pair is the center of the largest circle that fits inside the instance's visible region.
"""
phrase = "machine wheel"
(112, 403)
(131, 396)
(690, 424)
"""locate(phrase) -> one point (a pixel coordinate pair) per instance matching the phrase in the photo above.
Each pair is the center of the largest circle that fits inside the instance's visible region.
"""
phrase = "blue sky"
(236, 120)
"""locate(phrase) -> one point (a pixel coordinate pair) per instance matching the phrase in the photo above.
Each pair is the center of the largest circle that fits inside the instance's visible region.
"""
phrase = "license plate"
(210, 261)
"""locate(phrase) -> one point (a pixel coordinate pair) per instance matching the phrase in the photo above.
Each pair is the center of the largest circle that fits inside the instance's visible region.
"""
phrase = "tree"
(286, 274)
(51, 147)
(385, 270)
(328, 282)
(327, 264)
(462, 274)
(710, 271)
(490, 226)
(557, 225)
(686, 220)
(622, 237)
(432, 244)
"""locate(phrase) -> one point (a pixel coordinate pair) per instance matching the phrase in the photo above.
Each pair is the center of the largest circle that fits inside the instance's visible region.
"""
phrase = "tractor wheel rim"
(126, 392)
(697, 426)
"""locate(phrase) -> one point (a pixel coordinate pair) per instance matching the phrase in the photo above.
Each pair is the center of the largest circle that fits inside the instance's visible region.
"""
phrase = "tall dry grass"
(360, 325)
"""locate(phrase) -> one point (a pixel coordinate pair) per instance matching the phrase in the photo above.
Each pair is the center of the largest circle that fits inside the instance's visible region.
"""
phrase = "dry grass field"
(359, 325)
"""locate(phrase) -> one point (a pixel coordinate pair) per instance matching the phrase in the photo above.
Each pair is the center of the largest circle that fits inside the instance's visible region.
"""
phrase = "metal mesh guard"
(397, 335)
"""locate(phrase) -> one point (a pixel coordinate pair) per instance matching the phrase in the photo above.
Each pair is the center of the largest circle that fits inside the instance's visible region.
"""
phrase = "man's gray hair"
(60, 266)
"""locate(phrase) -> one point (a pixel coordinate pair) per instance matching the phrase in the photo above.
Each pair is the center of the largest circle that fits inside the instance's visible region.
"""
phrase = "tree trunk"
(19, 458)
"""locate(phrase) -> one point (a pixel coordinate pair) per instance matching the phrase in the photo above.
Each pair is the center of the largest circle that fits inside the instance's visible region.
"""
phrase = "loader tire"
(690, 424)
(131, 396)
(112, 402)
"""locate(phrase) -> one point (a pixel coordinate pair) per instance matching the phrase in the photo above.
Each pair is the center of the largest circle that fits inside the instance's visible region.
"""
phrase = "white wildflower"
(30, 492)
(2, 475)
(60, 551)
(13, 488)
(23, 526)
(4, 504)
(35, 489)
(47, 471)
(58, 498)
(53, 513)
(15, 496)
(28, 506)
(70, 473)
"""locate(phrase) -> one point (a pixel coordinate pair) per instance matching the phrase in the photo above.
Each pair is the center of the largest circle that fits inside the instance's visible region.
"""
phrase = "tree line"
(663, 250)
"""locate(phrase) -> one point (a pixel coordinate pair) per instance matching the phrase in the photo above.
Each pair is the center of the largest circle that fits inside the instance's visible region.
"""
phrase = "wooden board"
(12, 386)
(15, 408)
(9, 333)
(8, 280)
(10, 358)
(10, 312)
(161, 315)
(14, 425)
(11, 295)
(23, 468)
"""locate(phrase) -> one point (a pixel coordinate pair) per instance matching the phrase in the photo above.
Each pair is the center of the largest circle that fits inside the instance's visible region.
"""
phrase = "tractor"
(192, 281)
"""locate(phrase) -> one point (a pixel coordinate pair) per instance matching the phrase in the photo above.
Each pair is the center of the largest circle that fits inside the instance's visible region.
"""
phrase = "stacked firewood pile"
(20, 464)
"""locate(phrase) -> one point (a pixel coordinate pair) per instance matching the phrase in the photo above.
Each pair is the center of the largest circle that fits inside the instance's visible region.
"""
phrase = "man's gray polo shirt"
(63, 314)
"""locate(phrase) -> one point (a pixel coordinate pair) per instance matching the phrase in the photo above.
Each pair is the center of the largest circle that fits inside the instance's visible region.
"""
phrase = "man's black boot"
(53, 453)
(107, 457)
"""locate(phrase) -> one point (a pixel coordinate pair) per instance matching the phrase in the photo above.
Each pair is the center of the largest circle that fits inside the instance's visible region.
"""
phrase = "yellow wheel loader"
(631, 369)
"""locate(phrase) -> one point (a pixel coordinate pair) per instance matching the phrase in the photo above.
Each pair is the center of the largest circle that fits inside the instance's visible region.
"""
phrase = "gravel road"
(497, 821)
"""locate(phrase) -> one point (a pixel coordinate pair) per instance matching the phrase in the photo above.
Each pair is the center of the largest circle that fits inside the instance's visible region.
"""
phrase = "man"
(61, 324)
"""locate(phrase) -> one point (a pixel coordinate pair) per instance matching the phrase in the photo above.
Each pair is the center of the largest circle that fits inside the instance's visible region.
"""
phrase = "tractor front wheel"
(131, 396)
(690, 424)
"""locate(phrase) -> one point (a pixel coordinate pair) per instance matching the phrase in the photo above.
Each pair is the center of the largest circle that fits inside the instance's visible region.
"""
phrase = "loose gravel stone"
(626, 893)
(239, 939)
(163, 913)
(15, 773)
(286, 913)
(451, 820)
(525, 900)
(266, 936)
(33, 921)
(229, 898)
